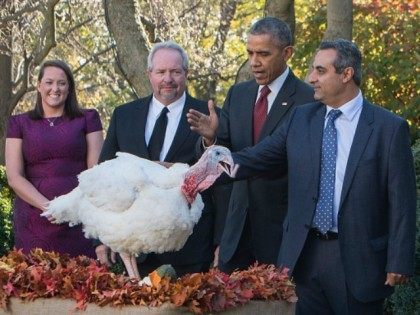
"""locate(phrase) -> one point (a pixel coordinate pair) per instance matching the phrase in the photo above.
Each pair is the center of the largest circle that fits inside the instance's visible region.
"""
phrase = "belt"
(326, 237)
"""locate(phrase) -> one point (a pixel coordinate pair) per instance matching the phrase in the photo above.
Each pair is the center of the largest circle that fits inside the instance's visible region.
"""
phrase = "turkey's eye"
(217, 153)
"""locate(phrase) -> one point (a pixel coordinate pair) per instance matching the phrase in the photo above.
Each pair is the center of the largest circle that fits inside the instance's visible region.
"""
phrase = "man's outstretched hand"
(204, 125)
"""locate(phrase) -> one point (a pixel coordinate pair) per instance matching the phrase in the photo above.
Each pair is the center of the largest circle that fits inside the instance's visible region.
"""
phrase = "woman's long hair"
(71, 106)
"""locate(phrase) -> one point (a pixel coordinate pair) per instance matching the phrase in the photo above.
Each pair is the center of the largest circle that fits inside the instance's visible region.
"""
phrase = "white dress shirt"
(275, 87)
(174, 117)
(346, 125)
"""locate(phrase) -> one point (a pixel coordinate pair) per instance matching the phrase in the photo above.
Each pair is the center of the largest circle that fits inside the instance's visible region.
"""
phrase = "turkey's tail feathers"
(65, 208)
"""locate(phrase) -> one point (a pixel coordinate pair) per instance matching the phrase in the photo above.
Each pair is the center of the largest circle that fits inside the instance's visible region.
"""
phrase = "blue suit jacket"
(376, 219)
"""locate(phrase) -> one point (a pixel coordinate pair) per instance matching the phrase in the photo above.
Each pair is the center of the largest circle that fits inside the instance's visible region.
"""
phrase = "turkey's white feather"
(131, 204)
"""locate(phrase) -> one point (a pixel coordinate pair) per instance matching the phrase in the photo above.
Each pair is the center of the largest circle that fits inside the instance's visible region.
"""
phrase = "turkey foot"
(130, 265)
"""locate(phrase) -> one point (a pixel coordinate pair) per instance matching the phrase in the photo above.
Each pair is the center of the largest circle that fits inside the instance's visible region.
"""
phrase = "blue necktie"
(323, 219)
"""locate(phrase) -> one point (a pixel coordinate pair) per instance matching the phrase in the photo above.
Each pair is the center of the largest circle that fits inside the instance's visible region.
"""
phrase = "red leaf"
(9, 289)
(43, 274)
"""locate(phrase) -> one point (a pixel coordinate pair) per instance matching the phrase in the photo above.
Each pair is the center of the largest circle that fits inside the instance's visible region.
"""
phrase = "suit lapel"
(139, 126)
(361, 137)
(278, 110)
(245, 112)
(316, 131)
(182, 131)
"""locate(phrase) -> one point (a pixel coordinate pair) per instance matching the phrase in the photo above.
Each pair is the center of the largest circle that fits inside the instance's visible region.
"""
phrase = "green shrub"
(6, 231)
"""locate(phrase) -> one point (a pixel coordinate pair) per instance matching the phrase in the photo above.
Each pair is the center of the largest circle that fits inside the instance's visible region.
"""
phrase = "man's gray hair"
(275, 27)
(167, 45)
(348, 55)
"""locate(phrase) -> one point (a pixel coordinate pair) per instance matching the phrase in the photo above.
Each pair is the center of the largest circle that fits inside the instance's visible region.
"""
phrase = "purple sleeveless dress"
(53, 157)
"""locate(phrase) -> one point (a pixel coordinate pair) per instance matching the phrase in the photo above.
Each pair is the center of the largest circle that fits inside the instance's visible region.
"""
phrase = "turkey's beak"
(228, 166)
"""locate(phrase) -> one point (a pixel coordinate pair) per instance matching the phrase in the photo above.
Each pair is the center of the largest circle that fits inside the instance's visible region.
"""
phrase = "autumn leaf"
(45, 274)
(5, 267)
(179, 298)
(9, 289)
(155, 278)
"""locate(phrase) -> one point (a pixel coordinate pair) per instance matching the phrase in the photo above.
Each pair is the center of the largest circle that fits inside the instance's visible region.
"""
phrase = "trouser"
(243, 256)
(321, 285)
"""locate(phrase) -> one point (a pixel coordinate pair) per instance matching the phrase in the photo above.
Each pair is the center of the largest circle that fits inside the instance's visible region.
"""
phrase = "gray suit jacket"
(376, 220)
(263, 199)
(126, 134)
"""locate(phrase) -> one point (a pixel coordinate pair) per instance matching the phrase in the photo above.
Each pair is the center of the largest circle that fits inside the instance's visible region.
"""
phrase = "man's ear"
(288, 52)
(348, 74)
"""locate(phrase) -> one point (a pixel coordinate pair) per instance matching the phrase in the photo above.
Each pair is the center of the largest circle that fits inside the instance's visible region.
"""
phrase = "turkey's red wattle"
(189, 188)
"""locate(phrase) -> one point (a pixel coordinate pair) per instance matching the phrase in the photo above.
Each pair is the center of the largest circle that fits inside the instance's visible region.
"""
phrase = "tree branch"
(28, 8)
(47, 34)
(75, 27)
(24, 78)
(94, 57)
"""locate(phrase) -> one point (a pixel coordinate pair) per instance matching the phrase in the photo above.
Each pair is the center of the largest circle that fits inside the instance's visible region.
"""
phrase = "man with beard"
(156, 128)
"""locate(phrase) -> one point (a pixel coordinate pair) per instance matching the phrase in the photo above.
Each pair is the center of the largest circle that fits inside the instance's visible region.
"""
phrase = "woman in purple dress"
(46, 148)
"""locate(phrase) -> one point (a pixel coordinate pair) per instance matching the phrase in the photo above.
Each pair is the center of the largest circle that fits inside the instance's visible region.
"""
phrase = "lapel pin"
(284, 104)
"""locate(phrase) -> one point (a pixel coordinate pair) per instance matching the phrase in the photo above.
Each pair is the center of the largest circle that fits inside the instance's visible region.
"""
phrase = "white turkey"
(134, 205)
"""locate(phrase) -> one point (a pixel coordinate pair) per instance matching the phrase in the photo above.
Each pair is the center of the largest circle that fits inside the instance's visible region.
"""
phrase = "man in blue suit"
(349, 234)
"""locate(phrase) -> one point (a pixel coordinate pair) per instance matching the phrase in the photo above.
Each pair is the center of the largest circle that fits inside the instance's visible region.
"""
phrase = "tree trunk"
(131, 46)
(339, 19)
(12, 89)
(339, 23)
(282, 9)
(6, 105)
(227, 12)
(244, 73)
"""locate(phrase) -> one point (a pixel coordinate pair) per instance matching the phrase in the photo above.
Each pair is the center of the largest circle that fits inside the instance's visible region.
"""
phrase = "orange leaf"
(154, 278)
(179, 298)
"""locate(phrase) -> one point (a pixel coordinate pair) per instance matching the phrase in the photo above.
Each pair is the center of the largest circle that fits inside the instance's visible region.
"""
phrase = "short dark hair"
(348, 55)
(71, 105)
(275, 27)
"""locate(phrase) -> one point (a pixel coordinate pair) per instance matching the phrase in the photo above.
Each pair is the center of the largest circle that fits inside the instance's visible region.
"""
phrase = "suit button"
(314, 199)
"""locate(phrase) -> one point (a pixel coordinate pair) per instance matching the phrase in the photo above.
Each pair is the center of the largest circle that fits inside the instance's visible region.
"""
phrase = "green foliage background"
(387, 34)
(6, 196)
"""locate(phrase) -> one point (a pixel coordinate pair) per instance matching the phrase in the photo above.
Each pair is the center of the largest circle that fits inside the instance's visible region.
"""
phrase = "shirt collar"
(277, 84)
(173, 107)
(349, 109)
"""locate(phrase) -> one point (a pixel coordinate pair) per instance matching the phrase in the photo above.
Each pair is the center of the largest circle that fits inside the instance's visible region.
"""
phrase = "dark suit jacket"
(126, 134)
(263, 199)
(376, 219)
